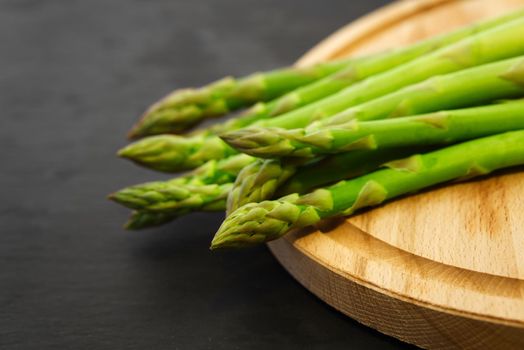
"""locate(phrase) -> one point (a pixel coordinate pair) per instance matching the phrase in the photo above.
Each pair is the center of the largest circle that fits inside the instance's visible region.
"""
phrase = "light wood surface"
(441, 269)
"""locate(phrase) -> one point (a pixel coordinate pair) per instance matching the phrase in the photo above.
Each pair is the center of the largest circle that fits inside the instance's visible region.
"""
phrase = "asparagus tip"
(220, 242)
(256, 223)
(165, 152)
(149, 146)
(117, 198)
(126, 152)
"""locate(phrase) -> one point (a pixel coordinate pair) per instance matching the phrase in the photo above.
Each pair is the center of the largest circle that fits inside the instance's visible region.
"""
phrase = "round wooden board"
(442, 269)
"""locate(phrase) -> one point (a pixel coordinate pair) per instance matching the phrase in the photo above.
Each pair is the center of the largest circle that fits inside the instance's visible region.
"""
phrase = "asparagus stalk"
(176, 197)
(263, 178)
(499, 43)
(169, 153)
(170, 196)
(328, 170)
(142, 219)
(256, 223)
(496, 80)
(154, 195)
(357, 70)
(182, 193)
(475, 85)
(213, 172)
(442, 127)
(184, 108)
(172, 153)
(501, 79)
(217, 171)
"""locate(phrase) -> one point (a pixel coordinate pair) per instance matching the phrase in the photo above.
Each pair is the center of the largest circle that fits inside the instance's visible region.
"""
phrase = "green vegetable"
(263, 178)
(203, 189)
(180, 196)
(217, 171)
(169, 196)
(256, 223)
(259, 180)
(184, 108)
(436, 128)
(492, 45)
(172, 153)
(357, 70)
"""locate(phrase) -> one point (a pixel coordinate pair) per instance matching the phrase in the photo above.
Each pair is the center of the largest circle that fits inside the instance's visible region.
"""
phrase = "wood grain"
(441, 269)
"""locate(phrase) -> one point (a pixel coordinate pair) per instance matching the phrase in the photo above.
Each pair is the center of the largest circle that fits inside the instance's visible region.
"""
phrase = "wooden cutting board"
(441, 269)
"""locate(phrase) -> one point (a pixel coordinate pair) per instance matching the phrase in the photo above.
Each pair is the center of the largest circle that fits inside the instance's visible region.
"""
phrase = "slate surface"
(74, 76)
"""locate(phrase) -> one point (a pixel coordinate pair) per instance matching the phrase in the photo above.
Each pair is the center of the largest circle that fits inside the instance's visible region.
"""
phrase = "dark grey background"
(74, 76)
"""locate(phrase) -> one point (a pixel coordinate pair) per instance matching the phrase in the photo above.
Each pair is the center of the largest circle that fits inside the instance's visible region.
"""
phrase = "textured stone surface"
(75, 75)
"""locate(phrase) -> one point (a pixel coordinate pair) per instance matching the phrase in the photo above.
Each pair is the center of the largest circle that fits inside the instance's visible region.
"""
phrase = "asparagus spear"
(217, 171)
(357, 70)
(499, 43)
(213, 172)
(491, 45)
(153, 195)
(263, 178)
(171, 153)
(260, 180)
(328, 170)
(181, 197)
(428, 129)
(171, 196)
(184, 108)
(501, 79)
(256, 223)
(142, 219)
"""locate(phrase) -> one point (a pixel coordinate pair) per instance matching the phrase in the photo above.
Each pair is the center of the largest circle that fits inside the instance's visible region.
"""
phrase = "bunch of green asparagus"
(327, 140)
